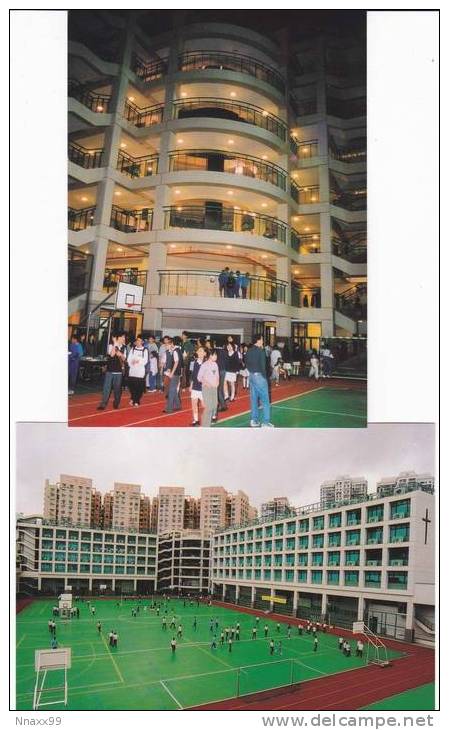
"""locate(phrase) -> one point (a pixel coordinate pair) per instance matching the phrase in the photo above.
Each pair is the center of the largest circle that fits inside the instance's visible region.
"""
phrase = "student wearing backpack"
(113, 376)
(137, 361)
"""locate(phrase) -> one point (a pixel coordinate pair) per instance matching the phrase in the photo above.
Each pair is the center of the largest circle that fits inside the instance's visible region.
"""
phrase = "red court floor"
(82, 407)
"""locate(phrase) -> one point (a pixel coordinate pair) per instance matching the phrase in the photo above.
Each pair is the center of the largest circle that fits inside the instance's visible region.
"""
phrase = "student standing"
(360, 647)
(314, 371)
(232, 364)
(230, 645)
(173, 370)
(315, 643)
(340, 643)
(209, 378)
(75, 354)
(173, 645)
(153, 367)
(113, 376)
(99, 627)
(265, 631)
(258, 384)
(271, 647)
(254, 633)
(196, 388)
(137, 361)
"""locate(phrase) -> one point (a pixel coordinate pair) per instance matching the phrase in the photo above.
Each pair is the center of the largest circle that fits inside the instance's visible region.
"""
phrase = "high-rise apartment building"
(145, 514)
(213, 508)
(343, 487)
(69, 500)
(210, 146)
(171, 504)
(405, 480)
(96, 509)
(276, 507)
(126, 506)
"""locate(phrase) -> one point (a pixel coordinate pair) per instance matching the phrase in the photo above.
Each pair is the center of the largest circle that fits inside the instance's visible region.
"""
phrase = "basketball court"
(297, 403)
(142, 673)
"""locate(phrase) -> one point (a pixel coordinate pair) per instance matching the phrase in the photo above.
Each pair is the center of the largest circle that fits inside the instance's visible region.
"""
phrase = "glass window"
(60, 567)
(301, 576)
(302, 559)
(131, 539)
(61, 534)
(277, 574)
(73, 557)
(317, 576)
(397, 580)
(60, 555)
(85, 568)
(353, 517)
(333, 577)
(96, 569)
(352, 557)
(98, 536)
(85, 557)
(351, 577)
(86, 536)
(279, 529)
(335, 519)
(289, 576)
(107, 569)
(120, 569)
(317, 558)
(97, 558)
(267, 574)
(318, 523)
(269, 531)
(130, 570)
(120, 559)
(352, 537)
(318, 541)
(48, 555)
(400, 533)
(85, 546)
(372, 578)
(291, 527)
(303, 542)
(400, 509)
(49, 544)
(46, 532)
(333, 557)
(74, 535)
(46, 567)
(120, 539)
(334, 539)
(375, 513)
(304, 525)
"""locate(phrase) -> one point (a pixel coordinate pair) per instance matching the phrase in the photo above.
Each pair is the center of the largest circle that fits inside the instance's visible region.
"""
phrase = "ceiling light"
(229, 246)
(307, 228)
(84, 199)
(233, 94)
(295, 217)
(230, 141)
(264, 157)
(230, 192)
(313, 198)
(123, 145)
(264, 256)
(177, 192)
(130, 98)
(179, 141)
(173, 245)
(119, 248)
(236, 207)
(179, 209)
(183, 94)
(264, 113)
(264, 205)
(99, 108)
(117, 193)
(315, 236)
(296, 271)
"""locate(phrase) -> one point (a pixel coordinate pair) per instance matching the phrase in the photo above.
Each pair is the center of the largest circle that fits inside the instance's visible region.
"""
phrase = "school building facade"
(370, 558)
(183, 160)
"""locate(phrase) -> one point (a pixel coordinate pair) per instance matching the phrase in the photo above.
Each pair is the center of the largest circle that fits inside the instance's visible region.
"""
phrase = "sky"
(263, 463)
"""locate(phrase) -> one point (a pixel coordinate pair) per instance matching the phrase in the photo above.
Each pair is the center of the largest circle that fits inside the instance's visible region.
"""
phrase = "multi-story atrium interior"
(212, 145)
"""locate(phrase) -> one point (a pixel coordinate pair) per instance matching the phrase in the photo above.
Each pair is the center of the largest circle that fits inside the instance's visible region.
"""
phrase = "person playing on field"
(214, 643)
(360, 647)
(278, 627)
(230, 645)
(254, 633)
(265, 630)
(180, 631)
(340, 643)
(99, 627)
(299, 630)
(195, 623)
(164, 623)
(315, 643)
(173, 645)
(237, 634)
(222, 638)
(271, 647)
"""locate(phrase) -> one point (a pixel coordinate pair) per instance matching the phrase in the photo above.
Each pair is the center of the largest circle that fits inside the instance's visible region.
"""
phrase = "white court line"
(273, 403)
(171, 694)
(310, 410)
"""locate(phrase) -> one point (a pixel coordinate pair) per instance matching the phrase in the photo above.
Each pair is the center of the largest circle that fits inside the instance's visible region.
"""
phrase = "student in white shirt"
(137, 360)
(314, 371)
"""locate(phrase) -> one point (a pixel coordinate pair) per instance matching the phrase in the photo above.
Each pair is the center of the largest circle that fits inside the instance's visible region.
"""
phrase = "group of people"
(232, 284)
(208, 372)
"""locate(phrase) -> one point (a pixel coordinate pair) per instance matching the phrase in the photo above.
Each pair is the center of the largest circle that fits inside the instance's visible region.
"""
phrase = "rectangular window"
(352, 537)
(352, 557)
(400, 510)
(303, 542)
(318, 523)
(289, 576)
(400, 533)
(351, 577)
(333, 558)
(353, 517)
(397, 580)
(372, 578)
(333, 577)
(375, 513)
(278, 575)
(317, 576)
(317, 558)
(279, 529)
(318, 541)
(304, 525)
(301, 576)
(335, 519)
(334, 539)
(374, 535)
(302, 559)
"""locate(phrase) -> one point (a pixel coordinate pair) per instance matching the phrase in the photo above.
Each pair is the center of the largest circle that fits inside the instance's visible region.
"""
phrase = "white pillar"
(323, 604)
(253, 595)
(360, 608)
(223, 591)
(237, 593)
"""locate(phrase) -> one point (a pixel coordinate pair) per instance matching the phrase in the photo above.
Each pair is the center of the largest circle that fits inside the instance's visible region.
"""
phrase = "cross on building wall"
(427, 522)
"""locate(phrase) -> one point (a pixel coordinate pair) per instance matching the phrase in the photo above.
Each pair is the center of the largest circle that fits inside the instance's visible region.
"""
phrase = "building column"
(237, 593)
(223, 591)
(39, 583)
(409, 622)
(323, 181)
(272, 592)
(113, 584)
(90, 585)
(295, 602)
(283, 272)
(253, 596)
(135, 585)
(323, 605)
(360, 608)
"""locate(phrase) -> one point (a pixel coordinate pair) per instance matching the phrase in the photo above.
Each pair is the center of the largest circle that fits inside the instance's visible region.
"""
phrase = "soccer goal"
(51, 660)
(376, 650)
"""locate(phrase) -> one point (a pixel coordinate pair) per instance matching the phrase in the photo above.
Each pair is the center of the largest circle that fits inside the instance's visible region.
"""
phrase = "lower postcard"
(304, 580)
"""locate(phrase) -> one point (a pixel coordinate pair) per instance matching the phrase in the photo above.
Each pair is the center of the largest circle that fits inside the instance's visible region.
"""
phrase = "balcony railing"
(305, 297)
(206, 284)
(352, 302)
(232, 110)
(349, 199)
(137, 166)
(148, 70)
(304, 150)
(350, 250)
(304, 243)
(113, 276)
(131, 221)
(84, 157)
(81, 219)
(144, 116)
(228, 162)
(304, 195)
(223, 218)
(227, 61)
(348, 154)
(96, 102)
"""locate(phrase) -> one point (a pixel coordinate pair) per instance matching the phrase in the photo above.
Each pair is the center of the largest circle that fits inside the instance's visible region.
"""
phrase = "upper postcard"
(217, 209)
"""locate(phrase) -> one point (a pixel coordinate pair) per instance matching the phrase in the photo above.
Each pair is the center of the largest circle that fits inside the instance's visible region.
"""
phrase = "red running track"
(367, 685)
(83, 408)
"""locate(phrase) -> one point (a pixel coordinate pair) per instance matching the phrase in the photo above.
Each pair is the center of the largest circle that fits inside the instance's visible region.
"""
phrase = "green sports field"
(415, 700)
(326, 407)
(141, 673)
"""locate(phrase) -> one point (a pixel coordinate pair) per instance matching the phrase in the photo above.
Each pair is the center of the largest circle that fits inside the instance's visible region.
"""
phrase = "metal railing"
(113, 276)
(304, 243)
(79, 271)
(304, 195)
(302, 296)
(353, 250)
(304, 150)
(96, 102)
(148, 70)
(232, 110)
(224, 218)
(352, 302)
(206, 284)
(354, 199)
(227, 61)
(144, 116)
(84, 157)
(131, 221)
(137, 166)
(228, 162)
(81, 219)
(348, 154)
